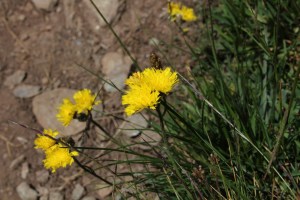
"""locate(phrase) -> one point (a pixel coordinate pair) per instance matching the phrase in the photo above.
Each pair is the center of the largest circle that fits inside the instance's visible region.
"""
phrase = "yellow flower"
(159, 79)
(135, 79)
(58, 156)
(66, 112)
(186, 13)
(174, 10)
(84, 101)
(145, 88)
(139, 98)
(43, 141)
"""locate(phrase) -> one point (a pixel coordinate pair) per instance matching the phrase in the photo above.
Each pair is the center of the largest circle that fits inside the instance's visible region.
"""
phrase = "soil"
(48, 45)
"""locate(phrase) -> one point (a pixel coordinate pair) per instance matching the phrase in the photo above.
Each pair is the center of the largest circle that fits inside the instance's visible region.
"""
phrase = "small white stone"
(25, 192)
(25, 170)
(77, 192)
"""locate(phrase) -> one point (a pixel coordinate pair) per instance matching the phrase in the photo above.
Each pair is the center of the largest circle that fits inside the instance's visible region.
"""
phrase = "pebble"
(109, 9)
(150, 137)
(26, 91)
(104, 191)
(16, 162)
(44, 4)
(77, 192)
(42, 176)
(25, 170)
(115, 67)
(25, 192)
(55, 196)
(45, 106)
(134, 122)
(14, 79)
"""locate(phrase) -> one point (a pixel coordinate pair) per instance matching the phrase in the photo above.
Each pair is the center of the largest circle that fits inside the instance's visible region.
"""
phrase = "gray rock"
(109, 9)
(150, 138)
(42, 176)
(45, 109)
(25, 192)
(25, 170)
(134, 122)
(26, 91)
(115, 67)
(77, 192)
(16, 162)
(14, 79)
(44, 4)
(55, 196)
(104, 191)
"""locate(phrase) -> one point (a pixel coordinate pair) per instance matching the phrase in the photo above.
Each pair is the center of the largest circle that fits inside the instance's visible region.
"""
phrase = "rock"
(153, 42)
(15, 78)
(77, 192)
(109, 9)
(89, 198)
(16, 162)
(115, 67)
(26, 91)
(22, 140)
(56, 196)
(45, 109)
(150, 138)
(134, 122)
(104, 191)
(43, 192)
(42, 176)
(25, 170)
(25, 192)
(44, 4)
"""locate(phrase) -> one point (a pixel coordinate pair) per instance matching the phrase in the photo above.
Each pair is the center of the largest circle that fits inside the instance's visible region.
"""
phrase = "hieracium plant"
(229, 131)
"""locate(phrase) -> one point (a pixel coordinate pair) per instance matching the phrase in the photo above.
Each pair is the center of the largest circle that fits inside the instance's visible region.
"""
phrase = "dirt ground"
(47, 45)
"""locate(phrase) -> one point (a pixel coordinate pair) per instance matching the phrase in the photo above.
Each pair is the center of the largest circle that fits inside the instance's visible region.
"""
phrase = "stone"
(109, 9)
(104, 191)
(134, 124)
(115, 67)
(150, 138)
(26, 91)
(25, 192)
(56, 196)
(25, 170)
(16, 162)
(77, 192)
(45, 109)
(42, 176)
(14, 79)
(45, 4)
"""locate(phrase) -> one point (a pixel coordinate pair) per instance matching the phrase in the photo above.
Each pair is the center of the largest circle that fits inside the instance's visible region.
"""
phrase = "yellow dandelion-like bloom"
(139, 98)
(58, 156)
(43, 141)
(174, 10)
(135, 79)
(162, 80)
(84, 100)
(66, 112)
(186, 13)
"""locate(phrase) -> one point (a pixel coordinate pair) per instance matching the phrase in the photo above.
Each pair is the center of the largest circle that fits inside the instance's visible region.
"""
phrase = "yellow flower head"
(58, 156)
(135, 79)
(188, 14)
(139, 98)
(159, 79)
(84, 100)
(178, 10)
(43, 141)
(66, 112)
(145, 88)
